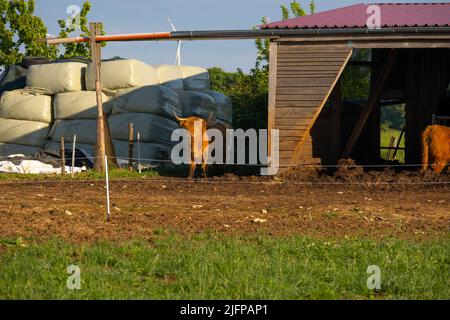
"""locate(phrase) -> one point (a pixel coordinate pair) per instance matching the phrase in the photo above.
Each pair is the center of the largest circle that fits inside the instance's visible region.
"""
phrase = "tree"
(77, 22)
(356, 79)
(20, 29)
(249, 92)
(294, 10)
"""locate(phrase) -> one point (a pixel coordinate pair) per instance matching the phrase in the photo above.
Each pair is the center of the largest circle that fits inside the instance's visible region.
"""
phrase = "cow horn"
(178, 118)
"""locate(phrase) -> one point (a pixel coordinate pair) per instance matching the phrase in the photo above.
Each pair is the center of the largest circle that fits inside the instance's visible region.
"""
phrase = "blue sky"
(135, 16)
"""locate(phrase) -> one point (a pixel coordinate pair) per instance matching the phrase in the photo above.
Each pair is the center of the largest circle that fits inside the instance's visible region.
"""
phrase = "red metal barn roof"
(355, 16)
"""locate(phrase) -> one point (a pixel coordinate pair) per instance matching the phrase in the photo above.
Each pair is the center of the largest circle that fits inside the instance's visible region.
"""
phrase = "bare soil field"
(410, 208)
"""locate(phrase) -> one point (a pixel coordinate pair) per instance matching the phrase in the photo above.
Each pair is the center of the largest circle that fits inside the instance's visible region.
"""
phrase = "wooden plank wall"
(302, 78)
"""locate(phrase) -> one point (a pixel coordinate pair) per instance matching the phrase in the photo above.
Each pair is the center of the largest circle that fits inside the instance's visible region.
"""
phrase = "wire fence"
(154, 160)
(405, 181)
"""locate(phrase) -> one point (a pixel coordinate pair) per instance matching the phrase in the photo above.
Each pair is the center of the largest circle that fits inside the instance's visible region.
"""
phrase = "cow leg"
(192, 170)
(204, 168)
(439, 166)
(425, 157)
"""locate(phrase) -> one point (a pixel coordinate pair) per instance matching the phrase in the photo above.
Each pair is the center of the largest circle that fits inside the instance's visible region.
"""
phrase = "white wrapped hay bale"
(28, 133)
(170, 76)
(156, 100)
(57, 77)
(195, 78)
(8, 149)
(23, 105)
(85, 129)
(122, 74)
(152, 128)
(196, 104)
(79, 105)
(149, 152)
(224, 105)
(15, 72)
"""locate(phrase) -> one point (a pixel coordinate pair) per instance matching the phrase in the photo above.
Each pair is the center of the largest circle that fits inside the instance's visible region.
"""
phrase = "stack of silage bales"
(25, 118)
(140, 100)
(74, 109)
(193, 87)
(61, 96)
(75, 113)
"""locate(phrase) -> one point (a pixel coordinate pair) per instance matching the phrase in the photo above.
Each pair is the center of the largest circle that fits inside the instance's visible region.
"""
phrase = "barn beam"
(375, 95)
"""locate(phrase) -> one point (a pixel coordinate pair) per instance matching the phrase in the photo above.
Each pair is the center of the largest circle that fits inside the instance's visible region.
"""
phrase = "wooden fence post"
(130, 145)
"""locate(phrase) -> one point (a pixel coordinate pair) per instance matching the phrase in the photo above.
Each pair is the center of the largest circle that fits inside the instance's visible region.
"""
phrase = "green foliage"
(386, 135)
(222, 81)
(263, 47)
(249, 92)
(78, 22)
(213, 266)
(393, 116)
(20, 29)
(250, 98)
(296, 10)
(356, 79)
(114, 174)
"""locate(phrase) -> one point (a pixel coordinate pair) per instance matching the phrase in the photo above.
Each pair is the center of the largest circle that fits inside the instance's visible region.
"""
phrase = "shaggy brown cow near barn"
(189, 124)
(436, 148)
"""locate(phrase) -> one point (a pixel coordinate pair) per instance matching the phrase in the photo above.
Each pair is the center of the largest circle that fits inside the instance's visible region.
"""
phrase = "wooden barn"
(408, 64)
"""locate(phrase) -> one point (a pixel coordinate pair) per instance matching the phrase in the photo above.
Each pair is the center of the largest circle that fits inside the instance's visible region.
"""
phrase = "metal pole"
(108, 213)
(264, 33)
(73, 154)
(139, 152)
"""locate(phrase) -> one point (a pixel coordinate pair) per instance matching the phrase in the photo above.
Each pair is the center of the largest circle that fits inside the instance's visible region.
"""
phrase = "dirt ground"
(411, 208)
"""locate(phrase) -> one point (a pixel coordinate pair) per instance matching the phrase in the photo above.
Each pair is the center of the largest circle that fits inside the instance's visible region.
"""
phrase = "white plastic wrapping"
(21, 105)
(224, 105)
(122, 74)
(15, 72)
(170, 76)
(57, 77)
(149, 152)
(86, 130)
(195, 78)
(156, 100)
(55, 147)
(78, 105)
(7, 149)
(28, 133)
(152, 128)
(198, 104)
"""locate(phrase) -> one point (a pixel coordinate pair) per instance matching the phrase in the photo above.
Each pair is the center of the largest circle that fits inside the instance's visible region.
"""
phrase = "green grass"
(386, 135)
(87, 175)
(211, 266)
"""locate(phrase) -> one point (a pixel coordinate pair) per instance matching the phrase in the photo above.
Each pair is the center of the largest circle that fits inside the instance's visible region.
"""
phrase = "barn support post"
(374, 96)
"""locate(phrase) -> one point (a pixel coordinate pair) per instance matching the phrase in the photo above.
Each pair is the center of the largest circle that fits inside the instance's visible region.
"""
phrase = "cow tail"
(425, 151)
